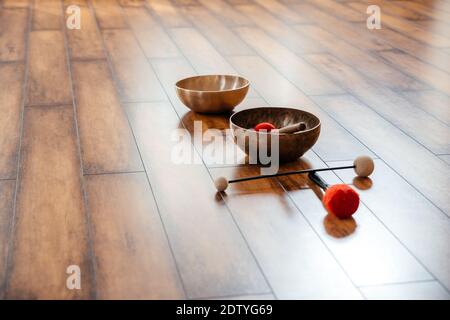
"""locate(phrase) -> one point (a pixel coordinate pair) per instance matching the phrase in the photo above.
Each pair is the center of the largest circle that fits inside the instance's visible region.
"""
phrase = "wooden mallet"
(362, 165)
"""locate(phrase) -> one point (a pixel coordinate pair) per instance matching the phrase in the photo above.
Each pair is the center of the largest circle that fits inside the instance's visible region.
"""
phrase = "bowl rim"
(276, 107)
(247, 82)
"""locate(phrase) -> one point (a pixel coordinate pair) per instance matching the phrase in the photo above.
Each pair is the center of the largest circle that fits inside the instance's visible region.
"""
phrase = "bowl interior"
(278, 116)
(212, 83)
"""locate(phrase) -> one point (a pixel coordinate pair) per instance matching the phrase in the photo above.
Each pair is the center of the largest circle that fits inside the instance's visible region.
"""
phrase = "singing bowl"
(291, 145)
(212, 93)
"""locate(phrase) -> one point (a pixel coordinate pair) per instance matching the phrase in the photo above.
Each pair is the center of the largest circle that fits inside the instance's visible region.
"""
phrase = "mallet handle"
(318, 180)
(289, 173)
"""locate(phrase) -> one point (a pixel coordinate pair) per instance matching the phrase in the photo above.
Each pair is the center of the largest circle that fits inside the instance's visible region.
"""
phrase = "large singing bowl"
(291, 146)
(212, 93)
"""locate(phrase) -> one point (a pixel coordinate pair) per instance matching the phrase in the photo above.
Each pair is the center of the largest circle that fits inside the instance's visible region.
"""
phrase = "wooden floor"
(86, 177)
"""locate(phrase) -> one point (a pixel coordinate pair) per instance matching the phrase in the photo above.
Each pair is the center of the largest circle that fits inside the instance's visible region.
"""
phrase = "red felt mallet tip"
(264, 126)
(341, 200)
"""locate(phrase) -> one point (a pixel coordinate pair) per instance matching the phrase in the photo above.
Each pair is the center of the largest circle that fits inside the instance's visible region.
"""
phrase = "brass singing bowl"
(291, 145)
(212, 93)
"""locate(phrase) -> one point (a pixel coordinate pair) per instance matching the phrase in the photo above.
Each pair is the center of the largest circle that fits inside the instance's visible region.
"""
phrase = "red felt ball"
(341, 200)
(264, 126)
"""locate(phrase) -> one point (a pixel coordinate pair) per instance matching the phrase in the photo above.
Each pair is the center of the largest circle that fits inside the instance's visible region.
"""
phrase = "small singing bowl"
(212, 93)
(291, 146)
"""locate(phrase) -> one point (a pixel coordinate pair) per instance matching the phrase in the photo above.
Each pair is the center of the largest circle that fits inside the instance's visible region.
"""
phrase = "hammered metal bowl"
(212, 93)
(291, 145)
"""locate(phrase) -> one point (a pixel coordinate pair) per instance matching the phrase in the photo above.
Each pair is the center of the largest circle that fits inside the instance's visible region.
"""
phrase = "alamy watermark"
(261, 147)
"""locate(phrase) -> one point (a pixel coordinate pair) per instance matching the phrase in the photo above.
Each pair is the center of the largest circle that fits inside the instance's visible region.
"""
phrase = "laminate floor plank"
(278, 30)
(168, 14)
(281, 11)
(48, 78)
(7, 189)
(409, 28)
(391, 106)
(373, 67)
(433, 56)
(222, 37)
(50, 231)
(109, 14)
(84, 43)
(211, 254)
(446, 158)
(340, 10)
(384, 139)
(11, 77)
(311, 81)
(226, 12)
(136, 79)
(269, 221)
(436, 78)
(133, 257)
(392, 8)
(148, 32)
(431, 101)
(107, 143)
(419, 225)
(422, 9)
(12, 43)
(15, 3)
(47, 15)
(365, 249)
(341, 28)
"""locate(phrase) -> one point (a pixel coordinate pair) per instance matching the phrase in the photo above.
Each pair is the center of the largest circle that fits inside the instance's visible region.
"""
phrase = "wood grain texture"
(384, 138)
(370, 66)
(364, 235)
(109, 14)
(269, 221)
(48, 79)
(148, 32)
(417, 223)
(283, 33)
(12, 43)
(15, 3)
(409, 28)
(203, 56)
(211, 254)
(227, 13)
(7, 189)
(341, 28)
(168, 14)
(445, 158)
(436, 78)
(84, 43)
(433, 102)
(224, 39)
(11, 77)
(310, 80)
(107, 142)
(50, 226)
(282, 11)
(101, 183)
(340, 10)
(136, 79)
(47, 15)
(390, 105)
(133, 257)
